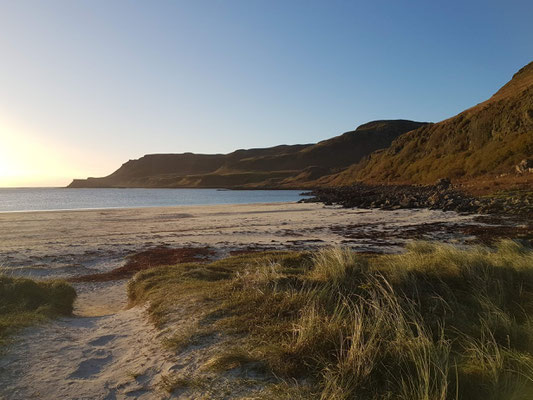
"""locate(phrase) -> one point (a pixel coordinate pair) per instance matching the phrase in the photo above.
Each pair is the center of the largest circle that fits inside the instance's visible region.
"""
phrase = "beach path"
(116, 354)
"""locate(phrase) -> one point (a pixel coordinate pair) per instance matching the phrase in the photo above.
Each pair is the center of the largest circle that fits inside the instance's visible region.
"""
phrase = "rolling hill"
(484, 142)
(487, 140)
(274, 167)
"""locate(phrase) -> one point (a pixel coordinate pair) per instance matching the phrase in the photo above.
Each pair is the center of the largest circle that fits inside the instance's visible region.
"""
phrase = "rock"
(406, 202)
(393, 197)
(443, 183)
(434, 199)
(525, 166)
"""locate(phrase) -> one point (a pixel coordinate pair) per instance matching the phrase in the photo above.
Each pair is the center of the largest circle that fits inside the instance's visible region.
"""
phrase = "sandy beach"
(107, 351)
(67, 243)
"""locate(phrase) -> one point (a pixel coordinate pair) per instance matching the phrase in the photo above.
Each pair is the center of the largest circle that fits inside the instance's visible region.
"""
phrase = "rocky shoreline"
(440, 196)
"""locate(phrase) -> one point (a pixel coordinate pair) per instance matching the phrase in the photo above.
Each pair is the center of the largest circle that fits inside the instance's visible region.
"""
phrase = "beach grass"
(436, 322)
(24, 302)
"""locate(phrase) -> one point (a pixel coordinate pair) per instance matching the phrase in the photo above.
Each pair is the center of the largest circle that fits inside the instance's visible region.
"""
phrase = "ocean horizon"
(57, 199)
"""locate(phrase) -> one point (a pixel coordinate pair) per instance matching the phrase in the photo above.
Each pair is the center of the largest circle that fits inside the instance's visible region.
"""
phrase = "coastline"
(61, 199)
(141, 207)
(77, 242)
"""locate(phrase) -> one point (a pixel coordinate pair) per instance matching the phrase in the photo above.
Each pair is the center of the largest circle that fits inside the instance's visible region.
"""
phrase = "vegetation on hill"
(24, 302)
(436, 322)
(280, 166)
(488, 139)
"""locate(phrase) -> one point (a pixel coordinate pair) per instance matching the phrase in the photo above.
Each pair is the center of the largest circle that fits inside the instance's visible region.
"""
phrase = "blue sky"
(87, 85)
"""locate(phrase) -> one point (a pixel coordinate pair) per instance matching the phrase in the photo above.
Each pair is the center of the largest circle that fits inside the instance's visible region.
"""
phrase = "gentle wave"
(55, 199)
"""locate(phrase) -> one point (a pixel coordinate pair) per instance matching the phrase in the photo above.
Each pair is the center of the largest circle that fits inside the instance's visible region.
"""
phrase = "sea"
(48, 199)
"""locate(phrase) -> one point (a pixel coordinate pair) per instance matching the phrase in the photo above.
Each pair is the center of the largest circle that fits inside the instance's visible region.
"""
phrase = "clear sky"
(87, 85)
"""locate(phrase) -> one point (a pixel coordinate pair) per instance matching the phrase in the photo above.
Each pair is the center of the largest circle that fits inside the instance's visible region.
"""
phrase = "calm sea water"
(40, 199)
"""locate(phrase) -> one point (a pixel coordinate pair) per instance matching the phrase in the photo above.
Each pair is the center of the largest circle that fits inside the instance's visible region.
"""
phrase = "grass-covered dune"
(436, 322)
(24, 302)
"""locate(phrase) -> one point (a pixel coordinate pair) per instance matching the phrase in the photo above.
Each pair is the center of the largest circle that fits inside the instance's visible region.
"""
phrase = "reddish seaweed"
(151, 258)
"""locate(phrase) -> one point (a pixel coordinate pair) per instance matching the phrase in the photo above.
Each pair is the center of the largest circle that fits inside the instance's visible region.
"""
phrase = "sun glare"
(28, 161)
(5, 165)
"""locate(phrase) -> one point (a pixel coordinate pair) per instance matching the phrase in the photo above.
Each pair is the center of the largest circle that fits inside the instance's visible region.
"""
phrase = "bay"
(47, 199)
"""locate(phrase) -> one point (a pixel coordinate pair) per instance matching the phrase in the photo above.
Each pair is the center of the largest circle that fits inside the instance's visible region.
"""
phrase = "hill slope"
(275, 167)
(485, 140)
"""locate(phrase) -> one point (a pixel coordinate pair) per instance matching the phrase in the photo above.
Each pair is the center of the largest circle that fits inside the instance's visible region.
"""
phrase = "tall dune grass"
(435, 323)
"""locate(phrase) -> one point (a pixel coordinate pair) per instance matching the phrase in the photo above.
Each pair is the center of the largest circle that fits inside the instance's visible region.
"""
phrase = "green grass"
(437, 322)
(24, 302)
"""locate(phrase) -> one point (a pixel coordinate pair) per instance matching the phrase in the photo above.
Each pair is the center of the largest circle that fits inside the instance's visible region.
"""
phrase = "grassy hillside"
(338, 152)
(488, 139)
(24, 302)
(434, 323)
(280, 166)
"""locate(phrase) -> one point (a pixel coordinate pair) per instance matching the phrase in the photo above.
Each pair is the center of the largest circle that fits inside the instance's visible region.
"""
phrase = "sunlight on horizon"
(28, 161)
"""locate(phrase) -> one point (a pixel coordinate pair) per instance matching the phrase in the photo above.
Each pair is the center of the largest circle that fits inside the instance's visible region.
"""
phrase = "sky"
(87, 85)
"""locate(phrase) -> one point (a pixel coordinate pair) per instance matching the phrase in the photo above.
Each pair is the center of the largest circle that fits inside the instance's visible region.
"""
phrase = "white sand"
(66, 243)
(107, 351)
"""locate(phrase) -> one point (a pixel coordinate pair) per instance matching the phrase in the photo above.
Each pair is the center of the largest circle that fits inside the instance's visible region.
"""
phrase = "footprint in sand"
(88, 368)
(102, 340)
(93, 366)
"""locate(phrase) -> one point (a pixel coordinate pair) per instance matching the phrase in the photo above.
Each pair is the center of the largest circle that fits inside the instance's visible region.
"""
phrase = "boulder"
(443, 183)
(525, 166)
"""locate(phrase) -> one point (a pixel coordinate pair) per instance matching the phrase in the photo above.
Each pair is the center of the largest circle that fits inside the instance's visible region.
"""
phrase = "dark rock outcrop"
(439, 196)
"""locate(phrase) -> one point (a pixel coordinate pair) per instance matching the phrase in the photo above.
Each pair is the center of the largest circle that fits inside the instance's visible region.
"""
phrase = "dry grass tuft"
(24, 302)
(435, 323)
